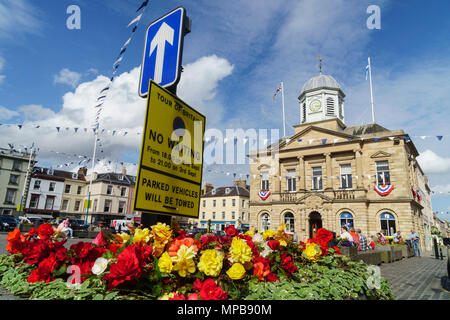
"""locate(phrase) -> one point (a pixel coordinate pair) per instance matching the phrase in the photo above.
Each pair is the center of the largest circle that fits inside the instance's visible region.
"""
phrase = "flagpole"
(371, 91)
(92, 174)
(282, 101)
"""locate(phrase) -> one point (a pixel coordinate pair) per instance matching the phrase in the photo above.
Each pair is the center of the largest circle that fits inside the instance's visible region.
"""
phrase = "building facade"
(422, 193)
(74, 194)
(13, 172)
(328, 174)
(109, 196)
(224, 206)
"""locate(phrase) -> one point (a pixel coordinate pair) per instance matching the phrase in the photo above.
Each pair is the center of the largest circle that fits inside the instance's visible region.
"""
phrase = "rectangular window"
(223, 215)
(79, 189)
(346, 176)
(265, 181)
(10, 195)
(243, 216)
(383, 176)
(224, 202)
(214, 215)
(107, 207)
(109, 190)
(214, 203)
(203, 215)
(248, 216)
(233, 202)
(37, 184)
(317, 178)
(95, 206)
(49, 203)
(64, 205)
(123, 191)
(16, 165)
(34, 201)
(204, 203)
(67, 188)
(243, 203)
(14, 179)
(51, 187)
(233, 215)
(77, 205)
(290, 179)
(121, 206)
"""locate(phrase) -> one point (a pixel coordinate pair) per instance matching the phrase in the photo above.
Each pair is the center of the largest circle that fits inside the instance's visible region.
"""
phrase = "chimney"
(241, 183)
(82, 171)
(124, 171)
(208, 187)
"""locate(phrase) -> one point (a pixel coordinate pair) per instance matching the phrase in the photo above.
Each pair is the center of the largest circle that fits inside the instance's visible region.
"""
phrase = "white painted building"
(45, 193)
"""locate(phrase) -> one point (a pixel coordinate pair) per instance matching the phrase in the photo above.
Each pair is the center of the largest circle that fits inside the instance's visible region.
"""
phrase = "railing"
(288, 196)
(344, 194)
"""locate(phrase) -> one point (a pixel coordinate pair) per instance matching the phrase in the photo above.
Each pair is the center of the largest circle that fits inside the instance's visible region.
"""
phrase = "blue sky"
(235, 56)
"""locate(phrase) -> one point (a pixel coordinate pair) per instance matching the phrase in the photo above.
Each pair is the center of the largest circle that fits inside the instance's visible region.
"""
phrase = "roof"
(321, 81)
(51, 174)
(365, 129)
(232, 191)
(116, 178)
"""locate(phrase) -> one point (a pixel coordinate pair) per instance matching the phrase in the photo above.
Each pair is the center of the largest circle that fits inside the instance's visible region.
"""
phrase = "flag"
(142, 5)
(277, 91)
(126, 43)
(367, 71)
(135, 20)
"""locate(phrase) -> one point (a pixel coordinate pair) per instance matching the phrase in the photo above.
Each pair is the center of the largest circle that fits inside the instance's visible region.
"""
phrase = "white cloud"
(68, 77)
(6, 114)
(198, 86)
(430, 162)
(18, 16)
(123, 110)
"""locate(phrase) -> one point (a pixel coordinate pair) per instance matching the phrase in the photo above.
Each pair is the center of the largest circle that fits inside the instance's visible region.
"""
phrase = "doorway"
(315, 223)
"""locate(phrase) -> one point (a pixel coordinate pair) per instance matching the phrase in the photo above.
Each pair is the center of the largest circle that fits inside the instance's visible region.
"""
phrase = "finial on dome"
(320, 65)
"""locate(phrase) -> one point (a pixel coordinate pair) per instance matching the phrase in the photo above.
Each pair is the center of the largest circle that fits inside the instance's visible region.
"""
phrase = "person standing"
(397, 237)
(362, 241)
(414, 237)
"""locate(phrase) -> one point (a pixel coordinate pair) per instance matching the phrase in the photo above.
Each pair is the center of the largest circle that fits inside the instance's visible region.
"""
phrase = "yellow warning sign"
(170, 169)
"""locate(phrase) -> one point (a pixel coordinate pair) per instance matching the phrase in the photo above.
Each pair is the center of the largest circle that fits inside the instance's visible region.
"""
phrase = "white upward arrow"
(165, 33)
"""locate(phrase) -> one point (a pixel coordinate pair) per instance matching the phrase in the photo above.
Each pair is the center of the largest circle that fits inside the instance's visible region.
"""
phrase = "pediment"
(313, 136)
(380, 154)
(315, 197)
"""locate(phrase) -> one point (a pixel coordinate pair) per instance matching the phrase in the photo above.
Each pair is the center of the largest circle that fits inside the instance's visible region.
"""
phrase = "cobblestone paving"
(417, 278)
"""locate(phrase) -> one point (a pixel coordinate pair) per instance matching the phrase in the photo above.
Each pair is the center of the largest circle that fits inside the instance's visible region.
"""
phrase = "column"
(329, 181)
(301, 172)
(358, 162)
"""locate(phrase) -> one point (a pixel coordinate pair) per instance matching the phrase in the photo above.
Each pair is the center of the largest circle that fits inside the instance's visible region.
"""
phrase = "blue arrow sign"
(161, 61)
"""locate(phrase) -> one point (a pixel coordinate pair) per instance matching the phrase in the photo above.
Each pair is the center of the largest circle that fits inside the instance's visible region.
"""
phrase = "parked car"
(195, 231)
(7, 223)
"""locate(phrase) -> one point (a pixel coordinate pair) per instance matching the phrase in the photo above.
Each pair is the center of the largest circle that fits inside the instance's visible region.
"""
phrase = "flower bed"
(163, 263)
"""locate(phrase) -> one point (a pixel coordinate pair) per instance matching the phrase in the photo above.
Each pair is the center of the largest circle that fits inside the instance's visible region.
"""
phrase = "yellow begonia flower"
(125, 236)
(312, 251)
(167, 296)
(184, 261)
(210, 263)
(268, 234)
(250, 232)
(283, 243)
(236, 272)
(141, 235)
(240, 251)
(165, 263)
(161, 233)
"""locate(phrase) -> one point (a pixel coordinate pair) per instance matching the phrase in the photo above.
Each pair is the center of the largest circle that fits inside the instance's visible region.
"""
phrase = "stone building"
(13, 172)
(74, 194)
(224, 206)
(327, 174)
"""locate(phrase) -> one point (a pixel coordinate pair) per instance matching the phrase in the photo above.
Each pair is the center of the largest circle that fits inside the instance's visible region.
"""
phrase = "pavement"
(416, 278)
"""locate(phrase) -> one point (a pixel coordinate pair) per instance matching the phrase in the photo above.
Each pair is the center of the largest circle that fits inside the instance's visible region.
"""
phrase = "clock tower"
(321, 99)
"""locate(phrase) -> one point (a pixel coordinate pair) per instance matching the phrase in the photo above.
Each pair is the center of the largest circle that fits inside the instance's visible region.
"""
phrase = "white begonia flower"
(99, 266)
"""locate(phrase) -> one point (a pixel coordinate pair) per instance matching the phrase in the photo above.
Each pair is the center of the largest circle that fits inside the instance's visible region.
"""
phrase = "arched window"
(387, 222)
(330, 107)
(289, 222)
(347, 220)
(265, 222)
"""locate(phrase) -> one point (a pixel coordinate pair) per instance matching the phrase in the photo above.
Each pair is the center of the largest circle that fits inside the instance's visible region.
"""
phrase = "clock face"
(315, 105)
